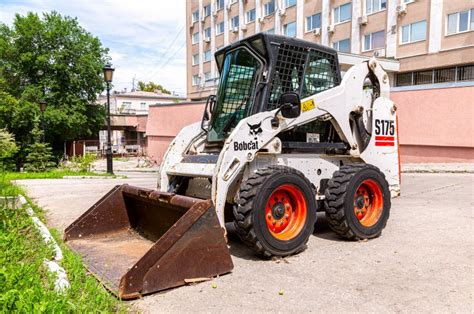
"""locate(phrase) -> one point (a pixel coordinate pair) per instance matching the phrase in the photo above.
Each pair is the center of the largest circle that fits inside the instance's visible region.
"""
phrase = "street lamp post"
(42, 104)
(108, 74)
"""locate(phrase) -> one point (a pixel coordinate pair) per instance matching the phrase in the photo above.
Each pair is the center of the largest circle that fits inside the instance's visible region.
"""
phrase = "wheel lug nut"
(286, 216)
(269, 216)
(281, 223)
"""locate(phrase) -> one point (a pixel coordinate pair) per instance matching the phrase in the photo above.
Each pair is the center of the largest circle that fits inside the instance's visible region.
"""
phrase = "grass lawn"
(53, 174)
(25, 284)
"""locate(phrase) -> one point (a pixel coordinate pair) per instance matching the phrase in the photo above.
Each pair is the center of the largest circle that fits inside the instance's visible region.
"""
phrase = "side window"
(320, 74)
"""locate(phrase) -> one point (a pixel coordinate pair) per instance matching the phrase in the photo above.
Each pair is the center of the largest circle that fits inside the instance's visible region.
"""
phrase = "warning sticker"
(308, 105)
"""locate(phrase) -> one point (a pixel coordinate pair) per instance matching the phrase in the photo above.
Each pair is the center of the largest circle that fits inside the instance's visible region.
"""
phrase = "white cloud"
(146, 38)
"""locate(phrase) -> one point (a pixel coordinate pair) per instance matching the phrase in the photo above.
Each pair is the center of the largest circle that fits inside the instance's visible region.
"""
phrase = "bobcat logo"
(255, 129)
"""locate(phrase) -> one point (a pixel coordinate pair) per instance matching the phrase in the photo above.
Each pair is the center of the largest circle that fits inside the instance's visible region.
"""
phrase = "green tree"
(151, 87)
(39, 156)
(53, 58)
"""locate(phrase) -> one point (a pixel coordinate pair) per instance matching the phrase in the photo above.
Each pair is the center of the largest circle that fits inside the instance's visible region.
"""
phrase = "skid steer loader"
(284, 137)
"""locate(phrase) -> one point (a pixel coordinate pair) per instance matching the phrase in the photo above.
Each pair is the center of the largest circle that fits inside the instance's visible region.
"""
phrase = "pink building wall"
(165, 122)
(435, 125)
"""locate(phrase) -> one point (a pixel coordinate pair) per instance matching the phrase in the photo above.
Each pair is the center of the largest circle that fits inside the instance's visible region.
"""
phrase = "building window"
(207, 55)
(234, 22)
(143, 106)
(290, 3)
(207, 76)
(290, 29)
(250, 16)
(207, 10)
(374, 41)
(465, 73)
(196, 59)
(414, 32)
(342, 45)
(196, 16)
(342, 13)
(460, 22)
(207, 33)
(313, 22)
(126, 105)
(270, 31)
(220, 28)
(195, 38)
(219, 4)
(372, 6)
(436, 76)
(269, 8)
(196, 80)
(233, 1)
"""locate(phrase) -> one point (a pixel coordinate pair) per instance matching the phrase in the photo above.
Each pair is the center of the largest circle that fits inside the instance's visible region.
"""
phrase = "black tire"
(250, 217)
(340, 202)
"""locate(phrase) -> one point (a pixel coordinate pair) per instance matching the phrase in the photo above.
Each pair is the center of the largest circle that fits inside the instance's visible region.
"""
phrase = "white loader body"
(245, 150)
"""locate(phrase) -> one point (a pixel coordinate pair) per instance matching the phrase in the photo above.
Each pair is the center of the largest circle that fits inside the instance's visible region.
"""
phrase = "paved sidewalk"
(423, 262)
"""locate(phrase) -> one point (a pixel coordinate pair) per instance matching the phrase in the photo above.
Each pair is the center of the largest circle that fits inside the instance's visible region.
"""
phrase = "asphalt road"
(423, 262)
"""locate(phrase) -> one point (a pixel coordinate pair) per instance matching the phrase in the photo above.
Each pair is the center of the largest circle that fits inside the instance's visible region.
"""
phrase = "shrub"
(7, 147)
(39, 158)
(83, 163)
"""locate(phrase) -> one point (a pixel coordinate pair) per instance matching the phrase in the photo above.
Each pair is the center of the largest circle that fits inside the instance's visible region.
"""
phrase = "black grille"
(289, 70)
(302, 70)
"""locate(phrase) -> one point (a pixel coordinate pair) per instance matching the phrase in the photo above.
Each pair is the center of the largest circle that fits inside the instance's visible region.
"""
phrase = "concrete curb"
(438, 168)
(90, 177)
(152, 170)
(61, 283)
(437, 171)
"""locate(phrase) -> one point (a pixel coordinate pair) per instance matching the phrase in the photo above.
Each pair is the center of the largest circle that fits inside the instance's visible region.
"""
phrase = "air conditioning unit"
(362, 20)
(214, 12)
(203, 18)
(317, 31)
(261, 20)
(379, 53)
(228, 6)
(402, 9)
(243, 27)
(235, 29)
(282, 12)
(207, 40)
(331, 28)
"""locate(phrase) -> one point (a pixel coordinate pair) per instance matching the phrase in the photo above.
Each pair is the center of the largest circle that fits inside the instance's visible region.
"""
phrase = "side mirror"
(290, 105)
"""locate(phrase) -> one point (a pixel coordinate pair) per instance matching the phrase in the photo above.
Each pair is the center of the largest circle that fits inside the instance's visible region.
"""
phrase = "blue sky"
(146, 38)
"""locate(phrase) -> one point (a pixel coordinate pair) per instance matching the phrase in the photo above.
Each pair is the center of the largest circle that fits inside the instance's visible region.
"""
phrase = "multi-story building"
(423, 35)
(432, 43)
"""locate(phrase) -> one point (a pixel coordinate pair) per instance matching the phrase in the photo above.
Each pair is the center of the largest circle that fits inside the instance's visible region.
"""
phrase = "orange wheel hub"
(285, 212)
(368, 203)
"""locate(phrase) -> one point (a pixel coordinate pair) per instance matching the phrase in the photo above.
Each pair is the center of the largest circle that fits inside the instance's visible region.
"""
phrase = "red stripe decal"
(384, 138)
(384, 144)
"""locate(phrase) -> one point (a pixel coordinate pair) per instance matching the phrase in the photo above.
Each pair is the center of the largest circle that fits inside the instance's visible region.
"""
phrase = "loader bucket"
(138, 241)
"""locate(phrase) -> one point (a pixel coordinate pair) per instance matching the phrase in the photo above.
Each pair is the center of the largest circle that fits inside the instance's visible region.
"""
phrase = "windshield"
(235, 93)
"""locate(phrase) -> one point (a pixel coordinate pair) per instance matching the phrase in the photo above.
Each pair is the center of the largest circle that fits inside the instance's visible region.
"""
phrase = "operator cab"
(254, 74)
